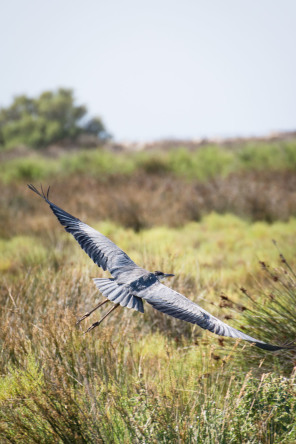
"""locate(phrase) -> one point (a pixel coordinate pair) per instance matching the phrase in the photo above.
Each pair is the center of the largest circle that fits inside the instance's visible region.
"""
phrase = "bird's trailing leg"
(91, 311)
(101, 320)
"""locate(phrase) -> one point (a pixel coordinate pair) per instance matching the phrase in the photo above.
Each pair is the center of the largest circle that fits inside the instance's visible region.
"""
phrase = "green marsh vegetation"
(207, 216)
(204, 163)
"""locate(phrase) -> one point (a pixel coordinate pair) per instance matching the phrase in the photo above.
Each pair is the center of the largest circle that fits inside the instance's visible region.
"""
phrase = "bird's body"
(131, 284)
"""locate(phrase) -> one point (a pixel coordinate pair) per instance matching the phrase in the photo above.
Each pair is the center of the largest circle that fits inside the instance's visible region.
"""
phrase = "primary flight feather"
(131, 284)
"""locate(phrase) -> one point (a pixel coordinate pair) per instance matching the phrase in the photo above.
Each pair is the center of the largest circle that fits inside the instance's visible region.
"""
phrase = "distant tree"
(96, 127)
(50, 118)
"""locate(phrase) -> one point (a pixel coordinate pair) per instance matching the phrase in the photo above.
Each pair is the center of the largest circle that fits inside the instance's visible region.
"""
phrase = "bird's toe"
(95, 324)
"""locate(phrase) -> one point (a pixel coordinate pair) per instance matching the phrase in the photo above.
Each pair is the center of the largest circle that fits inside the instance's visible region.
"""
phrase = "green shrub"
(51, 117)
(96, 163)
(27, 169)
(265, 411)
(204, 163)
(263, 156)
(273, 310)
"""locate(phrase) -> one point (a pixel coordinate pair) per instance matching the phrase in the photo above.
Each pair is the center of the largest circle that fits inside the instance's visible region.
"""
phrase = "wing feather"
(174, 304)
(119, 294)
(99, 248)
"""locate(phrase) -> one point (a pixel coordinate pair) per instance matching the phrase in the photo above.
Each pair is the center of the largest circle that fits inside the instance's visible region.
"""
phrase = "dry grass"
(124, 383)
(144, 200)
(147, 378)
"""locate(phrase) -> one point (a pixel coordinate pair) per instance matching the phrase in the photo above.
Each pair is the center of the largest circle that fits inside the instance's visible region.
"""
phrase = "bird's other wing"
(174, 304)
(100, 249)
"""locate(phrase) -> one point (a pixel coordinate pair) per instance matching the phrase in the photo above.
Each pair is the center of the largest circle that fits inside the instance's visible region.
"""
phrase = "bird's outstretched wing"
(168, 301)
(100, 249)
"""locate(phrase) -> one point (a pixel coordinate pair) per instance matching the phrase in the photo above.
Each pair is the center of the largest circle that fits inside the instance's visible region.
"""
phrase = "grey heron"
(131, 284)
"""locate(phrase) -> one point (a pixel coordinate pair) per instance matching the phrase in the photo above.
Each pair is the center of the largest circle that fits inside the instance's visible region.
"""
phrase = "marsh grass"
(69, 388)
(140, 378)
(141, 190)
(148, 378)
(144, 201)
(205, 163)
(272, 312)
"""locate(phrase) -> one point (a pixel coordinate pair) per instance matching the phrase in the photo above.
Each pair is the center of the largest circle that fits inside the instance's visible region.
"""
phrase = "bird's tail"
(119, 294)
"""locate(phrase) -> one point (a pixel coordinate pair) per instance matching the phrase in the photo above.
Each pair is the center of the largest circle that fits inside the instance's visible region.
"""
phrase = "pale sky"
(158, 68)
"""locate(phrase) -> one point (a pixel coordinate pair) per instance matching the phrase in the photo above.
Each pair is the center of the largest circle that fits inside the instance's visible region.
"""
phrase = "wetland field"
(223, 220)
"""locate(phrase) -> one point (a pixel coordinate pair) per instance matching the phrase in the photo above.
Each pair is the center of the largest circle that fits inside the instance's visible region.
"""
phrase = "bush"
(268, 156)
(27, 169)
(272, 316)
(205, 163)
(51, 117)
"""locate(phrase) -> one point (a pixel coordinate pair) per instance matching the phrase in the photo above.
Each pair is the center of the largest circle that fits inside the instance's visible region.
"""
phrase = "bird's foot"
(94, 325)
(81, 319)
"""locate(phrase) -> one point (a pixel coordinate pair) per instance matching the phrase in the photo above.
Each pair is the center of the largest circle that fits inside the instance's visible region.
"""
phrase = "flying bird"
(131, 284)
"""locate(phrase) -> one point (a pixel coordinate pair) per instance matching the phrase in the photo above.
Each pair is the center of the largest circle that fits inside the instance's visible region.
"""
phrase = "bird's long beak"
(167, 275)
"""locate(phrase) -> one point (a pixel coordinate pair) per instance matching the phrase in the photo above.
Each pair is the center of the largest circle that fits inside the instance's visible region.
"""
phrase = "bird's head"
(161, 276)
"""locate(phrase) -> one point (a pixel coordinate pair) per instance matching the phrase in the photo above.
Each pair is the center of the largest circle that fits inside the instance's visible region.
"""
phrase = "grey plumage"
(132, 284)
(119, 294)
